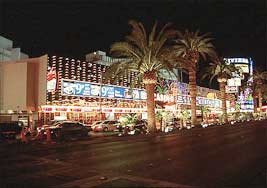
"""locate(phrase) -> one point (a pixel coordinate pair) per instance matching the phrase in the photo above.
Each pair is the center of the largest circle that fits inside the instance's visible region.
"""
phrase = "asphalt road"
(221, 156)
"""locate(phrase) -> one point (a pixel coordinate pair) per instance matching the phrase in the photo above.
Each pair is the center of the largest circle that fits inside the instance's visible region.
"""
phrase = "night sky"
(73, 28)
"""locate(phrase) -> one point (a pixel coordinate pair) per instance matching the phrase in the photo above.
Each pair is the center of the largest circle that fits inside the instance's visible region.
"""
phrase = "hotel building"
(47, 88)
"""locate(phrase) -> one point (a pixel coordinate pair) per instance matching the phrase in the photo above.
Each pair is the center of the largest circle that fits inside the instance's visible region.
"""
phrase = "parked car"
(139, 127)
(88, 127)
(11, 129)
(107, 125)
(65, 129)
(138, 123)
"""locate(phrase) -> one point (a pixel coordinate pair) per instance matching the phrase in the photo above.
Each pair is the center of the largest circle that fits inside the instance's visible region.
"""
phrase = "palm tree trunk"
(260, 99)
(150, 90)
(223, 96)
(255, 104)
(202, 113)
(193, 94)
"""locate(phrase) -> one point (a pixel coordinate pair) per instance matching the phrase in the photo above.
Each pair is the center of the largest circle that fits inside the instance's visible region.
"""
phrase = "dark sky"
(75, 27)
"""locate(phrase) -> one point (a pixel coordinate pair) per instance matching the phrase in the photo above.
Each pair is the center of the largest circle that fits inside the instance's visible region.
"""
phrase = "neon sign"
(88, 89)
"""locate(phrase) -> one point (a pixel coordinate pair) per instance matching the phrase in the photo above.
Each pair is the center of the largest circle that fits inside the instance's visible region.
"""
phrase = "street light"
(100, 97)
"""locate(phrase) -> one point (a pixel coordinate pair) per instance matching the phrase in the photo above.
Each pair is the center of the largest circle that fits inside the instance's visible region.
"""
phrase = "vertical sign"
(51, 79)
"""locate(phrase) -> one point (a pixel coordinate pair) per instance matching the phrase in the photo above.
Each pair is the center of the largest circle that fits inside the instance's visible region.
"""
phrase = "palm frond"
(189, 42)
(138, 32)
(145, 54)
(152, 35)
(124, 49)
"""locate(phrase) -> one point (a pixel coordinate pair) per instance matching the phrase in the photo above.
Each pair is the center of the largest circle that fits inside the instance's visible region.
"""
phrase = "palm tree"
(145, 55)
(204, 113)
(258, 85)
(264, 93)
(223, 70)
(192, 46)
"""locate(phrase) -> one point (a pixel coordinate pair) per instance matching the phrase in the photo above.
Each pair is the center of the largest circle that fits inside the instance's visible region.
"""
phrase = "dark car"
(67, 129)
(140, 124)
(139, 127)
(10, 129)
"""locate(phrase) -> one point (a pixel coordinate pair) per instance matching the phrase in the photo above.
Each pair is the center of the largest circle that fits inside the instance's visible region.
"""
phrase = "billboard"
(87, 89)
(243, 67)
(51, 79)
(186, 99)
(231, 89)
(107, 91)
(245, 100)
(234, 82)
(242, 63)
(238, 60)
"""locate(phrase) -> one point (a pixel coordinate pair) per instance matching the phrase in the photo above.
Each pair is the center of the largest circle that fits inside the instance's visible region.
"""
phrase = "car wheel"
(105, 129)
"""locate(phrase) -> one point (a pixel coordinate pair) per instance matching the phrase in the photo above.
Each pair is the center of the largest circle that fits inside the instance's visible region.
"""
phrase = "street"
(218, 156)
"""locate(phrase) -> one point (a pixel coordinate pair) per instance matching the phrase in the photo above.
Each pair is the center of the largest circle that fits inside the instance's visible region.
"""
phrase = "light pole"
(100, 97)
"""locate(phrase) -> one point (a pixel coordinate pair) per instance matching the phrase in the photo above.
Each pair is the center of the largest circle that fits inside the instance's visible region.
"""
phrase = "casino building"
(77, 90)
(42, 89)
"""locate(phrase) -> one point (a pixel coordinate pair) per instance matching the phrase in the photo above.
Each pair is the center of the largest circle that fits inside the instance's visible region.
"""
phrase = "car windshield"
(81, 124)
(97, 122)
(113, 122)
(105, 122)
(56, 123)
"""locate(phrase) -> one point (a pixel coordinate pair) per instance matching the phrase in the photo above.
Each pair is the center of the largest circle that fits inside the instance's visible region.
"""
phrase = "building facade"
(77, 90)
(50, 88)
(8, 52)
(22, 89)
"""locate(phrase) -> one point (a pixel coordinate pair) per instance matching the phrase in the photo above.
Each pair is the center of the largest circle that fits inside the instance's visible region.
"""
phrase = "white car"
(107, 125)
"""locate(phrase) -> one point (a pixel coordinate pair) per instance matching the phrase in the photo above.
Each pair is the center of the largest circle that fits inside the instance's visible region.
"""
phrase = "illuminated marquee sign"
(64, 109)
(186, 99)
(242, 63)
(238, 60)
(88, 89)
(231, 89)
(245, 100)
(234, 82)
